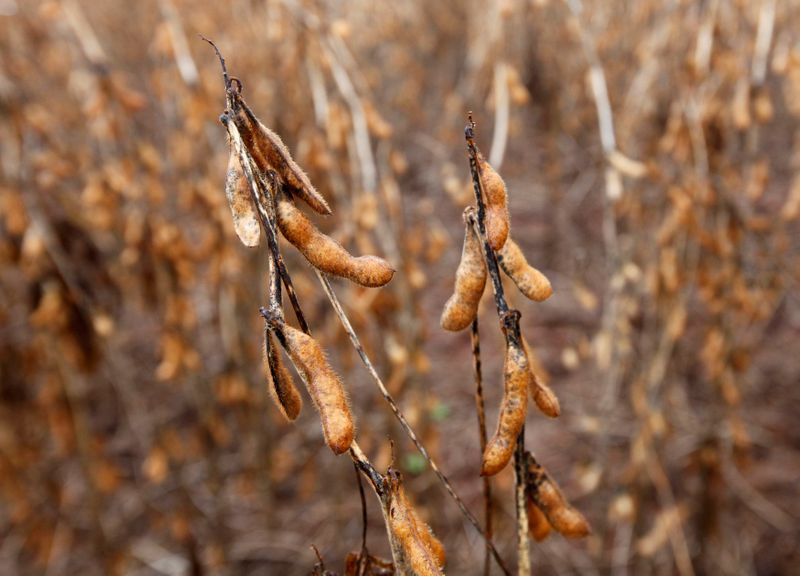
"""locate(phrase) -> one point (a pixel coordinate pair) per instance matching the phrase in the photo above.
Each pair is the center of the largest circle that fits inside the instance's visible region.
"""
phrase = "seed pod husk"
(538, 526)
(547, 496)
(279, 380)
(327, 255)
(270, 154)
(498, 220)
(462, 307)
(514, 406)
(415, 550)
(324, 387)
(532, 283)
(544, 397)
(237, 190)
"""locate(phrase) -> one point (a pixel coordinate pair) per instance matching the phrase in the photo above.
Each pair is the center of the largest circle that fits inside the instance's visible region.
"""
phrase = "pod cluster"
(271, 158)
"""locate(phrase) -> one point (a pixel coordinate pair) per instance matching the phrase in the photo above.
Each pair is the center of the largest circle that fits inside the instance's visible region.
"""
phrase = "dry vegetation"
(652, 165)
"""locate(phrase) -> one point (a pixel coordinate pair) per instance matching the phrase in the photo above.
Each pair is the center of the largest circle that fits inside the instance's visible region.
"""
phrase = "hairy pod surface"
(271, 155)
(324, 387)
(547, 496)
(462, 307)
(416, 551)
(237, 190)
(513, 410)
(538, 526)
(498, 220)
(327, 255)
(544, 397)
(279, 381)
(532, 283)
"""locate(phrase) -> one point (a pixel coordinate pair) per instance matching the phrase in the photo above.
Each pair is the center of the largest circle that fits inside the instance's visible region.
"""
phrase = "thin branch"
(479, 406)
(363, 556)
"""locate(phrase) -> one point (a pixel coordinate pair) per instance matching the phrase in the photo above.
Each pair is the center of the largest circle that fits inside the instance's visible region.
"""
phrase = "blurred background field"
(135, 432)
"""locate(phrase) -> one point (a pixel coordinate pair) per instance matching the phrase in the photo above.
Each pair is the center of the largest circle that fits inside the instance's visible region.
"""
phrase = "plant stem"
(510, 319)
(479, 405)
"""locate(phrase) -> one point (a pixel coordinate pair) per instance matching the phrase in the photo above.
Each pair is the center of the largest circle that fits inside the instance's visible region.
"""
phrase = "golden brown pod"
(327, 255)
(324, 387)
(270, 154)
(237, 189)
(544, 397)
(513, 408)
(279, 380)
(462, 307)
(532, 283)
(430, 539)
(498, 220)
(416, 551)
(548, 498)
(538, 526)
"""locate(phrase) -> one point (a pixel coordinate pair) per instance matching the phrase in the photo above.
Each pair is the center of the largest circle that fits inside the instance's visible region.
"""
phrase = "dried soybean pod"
(270, 153)
(514, 407)
(546, 400)
(435, 545)
(324, 253)
(532, 283)
(413, 544)
(245, 219)
(545, 493)
(462, 307)
(279, 380)
(324, 387)
(498, 220)
(538, 526)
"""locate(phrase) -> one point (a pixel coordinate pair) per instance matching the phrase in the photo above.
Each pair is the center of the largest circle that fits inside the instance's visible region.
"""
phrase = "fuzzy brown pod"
(532, 283)
(269, 152)
(544, 397)
(324, 387)
(514, 406)
(327, 255)
(498, 221)
(237, 190)
(279, 381)
(538, 526)
(462, 307)
(415, 549)
(547, 496)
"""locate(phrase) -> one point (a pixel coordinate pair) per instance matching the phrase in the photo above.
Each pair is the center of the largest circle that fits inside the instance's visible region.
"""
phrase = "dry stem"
(479, 406)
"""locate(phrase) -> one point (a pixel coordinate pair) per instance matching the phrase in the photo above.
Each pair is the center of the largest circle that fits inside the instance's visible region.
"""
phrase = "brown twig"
(479, 406)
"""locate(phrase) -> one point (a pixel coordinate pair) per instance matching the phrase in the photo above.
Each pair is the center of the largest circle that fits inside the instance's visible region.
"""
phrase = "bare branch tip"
(222, 63)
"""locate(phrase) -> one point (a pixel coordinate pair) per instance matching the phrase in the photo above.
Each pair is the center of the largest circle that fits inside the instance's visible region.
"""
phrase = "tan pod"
(513, 410)
(462, 307)
(279, 380)
(237, 190)
(498, 220)
(324, 387)
(532, 283)
(565, 519)
(327, 255)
